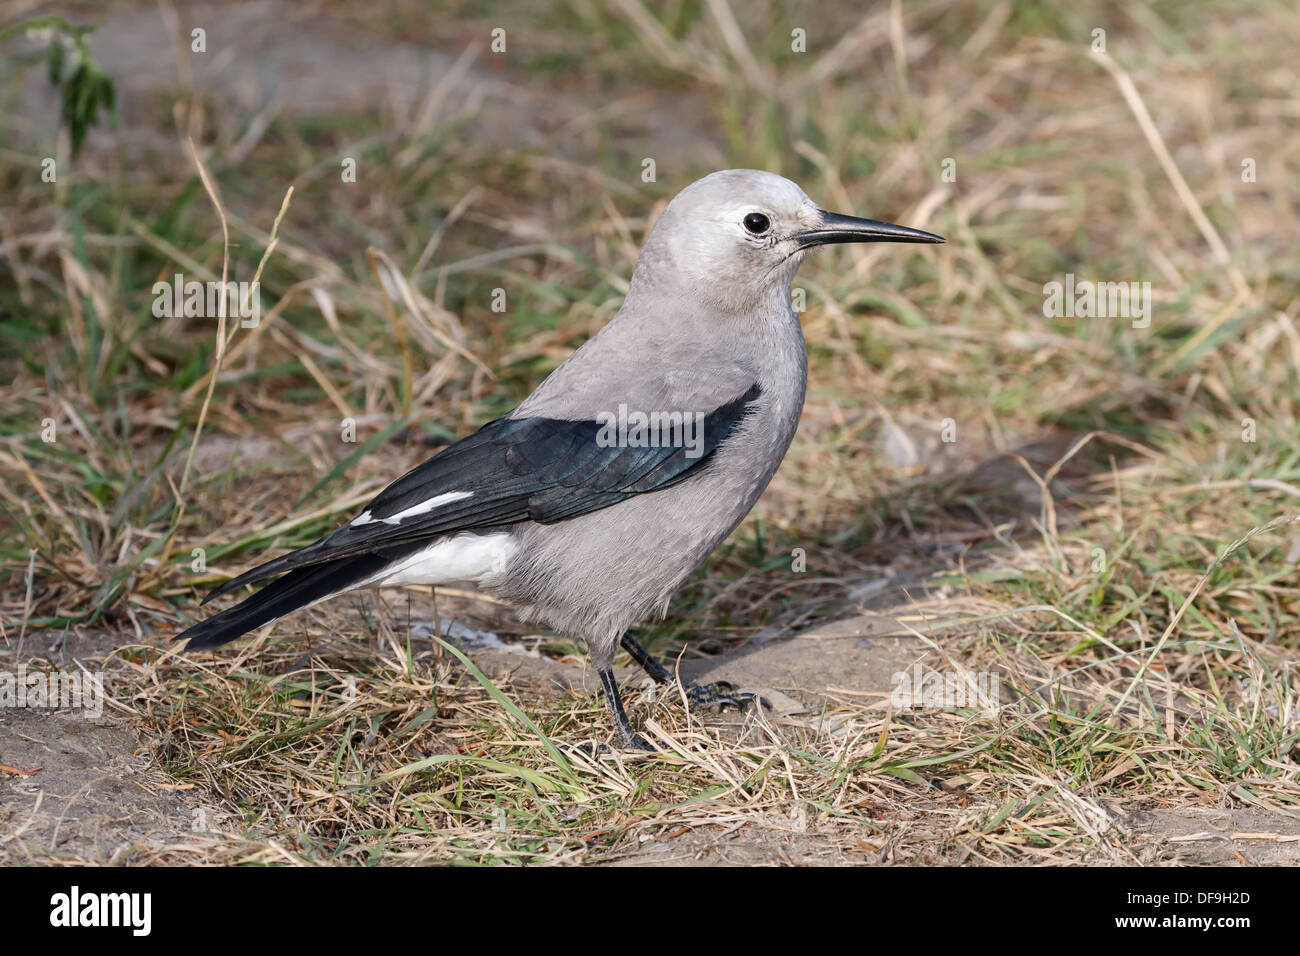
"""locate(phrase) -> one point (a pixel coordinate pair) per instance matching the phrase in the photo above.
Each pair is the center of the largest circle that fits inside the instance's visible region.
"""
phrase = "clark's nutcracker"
(589, 504)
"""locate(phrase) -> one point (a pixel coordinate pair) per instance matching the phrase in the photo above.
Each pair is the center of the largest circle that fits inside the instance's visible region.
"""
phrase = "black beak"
(837, 228)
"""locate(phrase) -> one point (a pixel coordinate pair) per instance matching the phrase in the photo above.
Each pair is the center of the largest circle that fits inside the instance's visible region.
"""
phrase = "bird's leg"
(627, 737)
(658, 673)
(720, 694)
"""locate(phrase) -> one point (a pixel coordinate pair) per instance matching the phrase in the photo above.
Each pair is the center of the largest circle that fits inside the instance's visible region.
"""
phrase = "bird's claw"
(638, 744)
(722, 694)
(635, 744)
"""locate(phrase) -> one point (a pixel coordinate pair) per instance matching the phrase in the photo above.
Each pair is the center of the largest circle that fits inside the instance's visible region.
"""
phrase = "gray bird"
(591, 503)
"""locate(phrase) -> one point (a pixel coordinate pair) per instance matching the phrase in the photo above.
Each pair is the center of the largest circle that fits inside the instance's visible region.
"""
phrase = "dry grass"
(1160, 674)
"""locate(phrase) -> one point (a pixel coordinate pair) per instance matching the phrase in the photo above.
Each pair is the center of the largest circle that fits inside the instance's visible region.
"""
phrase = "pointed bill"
(837, 228)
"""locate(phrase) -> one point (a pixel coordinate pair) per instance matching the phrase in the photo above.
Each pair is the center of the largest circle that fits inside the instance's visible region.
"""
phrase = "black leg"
(627, 737)
(658, 673)
(719, 694)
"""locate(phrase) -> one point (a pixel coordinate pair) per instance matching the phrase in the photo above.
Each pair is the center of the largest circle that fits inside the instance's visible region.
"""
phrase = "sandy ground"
(89, 788)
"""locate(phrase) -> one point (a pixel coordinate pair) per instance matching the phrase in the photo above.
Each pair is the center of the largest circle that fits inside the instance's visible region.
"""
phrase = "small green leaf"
(55, 61)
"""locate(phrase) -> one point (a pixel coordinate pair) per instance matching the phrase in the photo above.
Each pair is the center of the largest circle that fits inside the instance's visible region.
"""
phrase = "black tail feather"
(291, 592)
(270, 569)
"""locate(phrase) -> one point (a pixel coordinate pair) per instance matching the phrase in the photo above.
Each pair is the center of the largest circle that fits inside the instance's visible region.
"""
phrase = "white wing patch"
(424, 507)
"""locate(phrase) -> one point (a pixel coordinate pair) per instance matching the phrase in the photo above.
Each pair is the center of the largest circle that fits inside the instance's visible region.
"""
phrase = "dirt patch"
(1206, 836)
(739, 846)
(89, 789)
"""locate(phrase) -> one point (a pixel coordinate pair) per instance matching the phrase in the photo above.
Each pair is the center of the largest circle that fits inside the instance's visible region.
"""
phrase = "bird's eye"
(757, 223)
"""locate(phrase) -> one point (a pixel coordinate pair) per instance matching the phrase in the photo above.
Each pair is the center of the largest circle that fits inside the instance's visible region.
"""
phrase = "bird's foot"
(637, 743)
(632, 744)
(722, 694)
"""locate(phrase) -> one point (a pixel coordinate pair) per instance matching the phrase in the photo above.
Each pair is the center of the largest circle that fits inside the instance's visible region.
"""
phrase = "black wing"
(511, 470)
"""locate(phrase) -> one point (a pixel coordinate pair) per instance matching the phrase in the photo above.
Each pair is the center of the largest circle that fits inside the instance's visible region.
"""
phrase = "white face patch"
(422, 508)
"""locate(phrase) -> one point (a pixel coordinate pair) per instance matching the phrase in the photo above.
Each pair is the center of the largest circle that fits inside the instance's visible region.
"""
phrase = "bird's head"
(738, 236)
